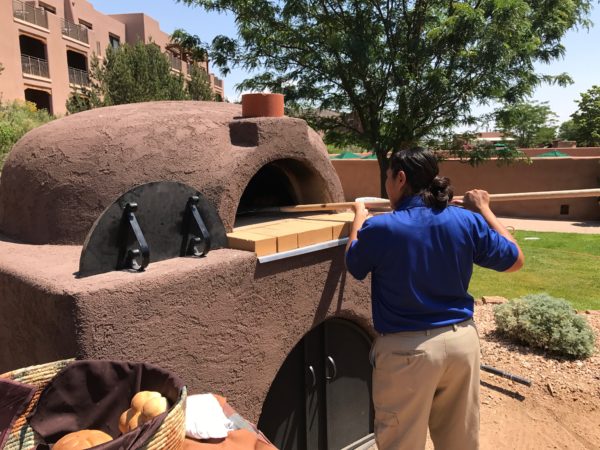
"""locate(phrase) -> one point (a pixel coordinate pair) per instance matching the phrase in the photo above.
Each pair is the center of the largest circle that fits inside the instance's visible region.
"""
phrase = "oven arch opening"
(281, 183)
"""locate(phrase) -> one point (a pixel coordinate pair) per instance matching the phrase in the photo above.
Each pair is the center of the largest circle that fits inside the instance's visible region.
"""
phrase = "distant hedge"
(16, 119)
(546, 322)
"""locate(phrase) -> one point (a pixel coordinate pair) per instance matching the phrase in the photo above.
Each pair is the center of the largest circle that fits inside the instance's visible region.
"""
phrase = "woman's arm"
(478, 200)
(360, 215)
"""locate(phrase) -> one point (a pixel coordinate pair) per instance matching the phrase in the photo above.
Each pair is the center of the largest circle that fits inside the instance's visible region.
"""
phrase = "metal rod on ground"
(506, 375)
(383, 203)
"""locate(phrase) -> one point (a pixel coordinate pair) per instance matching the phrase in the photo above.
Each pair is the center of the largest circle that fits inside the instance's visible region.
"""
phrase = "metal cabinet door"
(349, 409)
(283, 418)
(321, 397)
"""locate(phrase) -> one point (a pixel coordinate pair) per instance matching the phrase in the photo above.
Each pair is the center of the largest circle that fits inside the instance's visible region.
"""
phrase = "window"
(564, 210)
(115, 41)
(98, 48)
(86, 24)
(48, 8)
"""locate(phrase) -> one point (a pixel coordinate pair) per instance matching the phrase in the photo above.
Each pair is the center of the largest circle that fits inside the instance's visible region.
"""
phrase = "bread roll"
(145, 405)
(129, 420)
(154, 407)
(138, 400)
(82, 439)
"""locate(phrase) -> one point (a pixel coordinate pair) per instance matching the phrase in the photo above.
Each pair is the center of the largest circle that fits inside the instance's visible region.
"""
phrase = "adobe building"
(46, 48)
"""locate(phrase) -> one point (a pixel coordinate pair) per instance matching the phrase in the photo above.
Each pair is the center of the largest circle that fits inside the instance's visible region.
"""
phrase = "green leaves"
(198, 88)
(190, 47)
(16, 119)
(586, 120)
(136, 73)
(533, 124)
(405, 69)
(546, 322)
(141, 73)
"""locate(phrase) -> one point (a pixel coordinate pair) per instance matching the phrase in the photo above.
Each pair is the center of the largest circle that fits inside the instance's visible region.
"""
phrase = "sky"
(581, 61)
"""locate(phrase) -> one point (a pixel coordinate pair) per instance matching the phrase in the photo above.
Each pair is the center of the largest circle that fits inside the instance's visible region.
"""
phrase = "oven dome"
(59, 177)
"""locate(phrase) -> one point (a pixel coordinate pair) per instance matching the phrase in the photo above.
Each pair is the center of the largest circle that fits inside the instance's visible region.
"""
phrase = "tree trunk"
(383, 162)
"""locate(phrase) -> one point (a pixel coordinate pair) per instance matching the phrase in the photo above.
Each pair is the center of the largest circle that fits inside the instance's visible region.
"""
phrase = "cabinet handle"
(314, 376)
(333, 366)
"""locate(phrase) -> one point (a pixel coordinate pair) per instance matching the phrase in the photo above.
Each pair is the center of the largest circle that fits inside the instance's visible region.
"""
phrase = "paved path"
(561, 226)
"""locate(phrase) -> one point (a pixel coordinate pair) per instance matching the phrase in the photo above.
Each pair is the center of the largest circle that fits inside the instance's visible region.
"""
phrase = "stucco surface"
(224, 323)
(360, 178)
(60, 177)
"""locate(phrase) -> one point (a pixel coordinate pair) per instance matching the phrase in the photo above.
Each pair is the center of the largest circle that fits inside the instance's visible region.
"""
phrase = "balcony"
(218, 83)
(174, 60)
(78, 77)
(34, 66)
(30, 13)
(74, 31)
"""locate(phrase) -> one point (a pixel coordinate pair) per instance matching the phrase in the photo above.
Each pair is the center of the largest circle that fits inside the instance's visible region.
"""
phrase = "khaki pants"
(427, 378)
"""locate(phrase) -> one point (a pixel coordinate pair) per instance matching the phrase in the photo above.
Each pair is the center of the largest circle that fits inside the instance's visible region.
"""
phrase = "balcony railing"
(79, 77)
(175, 61)
(35, 66)
(73, 30)
(30, 13)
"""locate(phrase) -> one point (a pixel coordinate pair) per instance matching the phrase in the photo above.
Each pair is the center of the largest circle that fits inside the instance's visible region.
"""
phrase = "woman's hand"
(476, 200)
(360, 211)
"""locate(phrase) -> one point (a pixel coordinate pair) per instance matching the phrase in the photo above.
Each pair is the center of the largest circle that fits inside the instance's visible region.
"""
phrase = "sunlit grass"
(564, 265)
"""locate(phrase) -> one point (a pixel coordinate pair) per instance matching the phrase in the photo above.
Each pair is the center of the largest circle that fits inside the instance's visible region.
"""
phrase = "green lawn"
(564, 265)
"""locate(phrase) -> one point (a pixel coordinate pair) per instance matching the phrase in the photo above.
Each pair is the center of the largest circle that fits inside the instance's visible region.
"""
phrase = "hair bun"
(439, 193)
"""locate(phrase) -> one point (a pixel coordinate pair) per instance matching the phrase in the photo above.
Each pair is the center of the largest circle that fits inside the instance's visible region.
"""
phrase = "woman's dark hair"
(421, 169)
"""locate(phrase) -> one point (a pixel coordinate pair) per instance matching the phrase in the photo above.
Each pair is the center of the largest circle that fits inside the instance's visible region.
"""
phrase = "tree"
(533, 124)
(192, 50)
(586, 120)
(16, 119)
(568, 131)
(128, 74)
(135, 73)
(191, 47)
(80, 101)
(198, 87)
(404, 69)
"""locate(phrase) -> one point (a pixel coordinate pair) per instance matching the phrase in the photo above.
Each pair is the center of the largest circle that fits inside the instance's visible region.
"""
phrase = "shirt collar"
(410, 202)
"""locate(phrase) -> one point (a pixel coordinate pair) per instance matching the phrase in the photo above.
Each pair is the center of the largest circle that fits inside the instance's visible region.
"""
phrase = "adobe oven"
(280, 339)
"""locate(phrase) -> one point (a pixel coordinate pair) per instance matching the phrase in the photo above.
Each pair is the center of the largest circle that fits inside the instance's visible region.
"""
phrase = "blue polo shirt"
(421, 261)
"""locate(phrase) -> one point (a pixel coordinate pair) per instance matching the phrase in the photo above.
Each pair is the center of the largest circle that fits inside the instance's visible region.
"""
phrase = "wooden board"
(277, 236)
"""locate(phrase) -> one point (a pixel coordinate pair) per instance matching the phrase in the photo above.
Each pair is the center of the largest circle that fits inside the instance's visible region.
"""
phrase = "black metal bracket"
(196, 236)
(176, 220)
(131, 233)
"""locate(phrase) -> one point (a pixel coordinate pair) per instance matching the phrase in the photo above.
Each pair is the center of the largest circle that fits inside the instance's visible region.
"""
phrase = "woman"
(420, 256)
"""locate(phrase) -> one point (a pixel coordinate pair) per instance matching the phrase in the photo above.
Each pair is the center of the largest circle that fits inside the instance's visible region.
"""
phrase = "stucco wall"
(571, 151)
(224, 323)
(361, 178)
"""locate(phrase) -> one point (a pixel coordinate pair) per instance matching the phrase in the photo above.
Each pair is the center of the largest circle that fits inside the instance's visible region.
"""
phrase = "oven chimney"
(262, 105)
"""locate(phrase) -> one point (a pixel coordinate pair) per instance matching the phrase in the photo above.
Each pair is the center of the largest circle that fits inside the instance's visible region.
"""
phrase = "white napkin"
(204, 418)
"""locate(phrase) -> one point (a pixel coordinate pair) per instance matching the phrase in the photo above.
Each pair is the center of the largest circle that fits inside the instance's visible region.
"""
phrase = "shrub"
(16, 119)
(546, 322)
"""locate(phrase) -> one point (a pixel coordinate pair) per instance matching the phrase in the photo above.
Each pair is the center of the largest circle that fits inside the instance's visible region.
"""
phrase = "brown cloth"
(93, 394)
(14, 399)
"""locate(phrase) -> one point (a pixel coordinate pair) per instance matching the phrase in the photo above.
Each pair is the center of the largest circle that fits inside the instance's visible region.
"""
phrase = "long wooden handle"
(330, 206)
(545, 195)
(382, 204)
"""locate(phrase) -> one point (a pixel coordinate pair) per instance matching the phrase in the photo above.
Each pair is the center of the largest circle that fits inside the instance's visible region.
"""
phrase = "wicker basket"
(169, 436)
